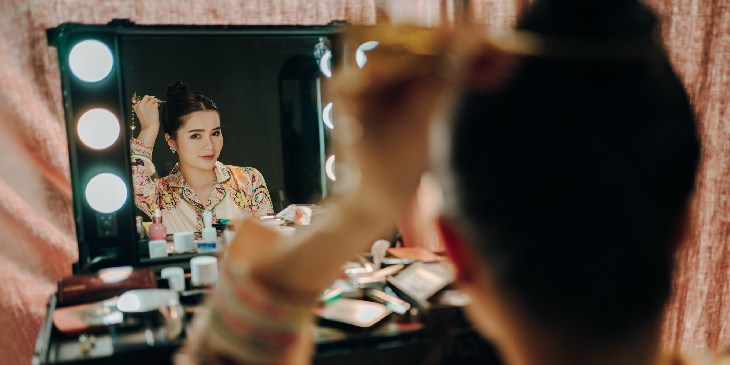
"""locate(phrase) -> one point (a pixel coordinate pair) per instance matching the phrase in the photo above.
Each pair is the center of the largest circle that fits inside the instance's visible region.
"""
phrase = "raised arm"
(145, 188)
(148, 113)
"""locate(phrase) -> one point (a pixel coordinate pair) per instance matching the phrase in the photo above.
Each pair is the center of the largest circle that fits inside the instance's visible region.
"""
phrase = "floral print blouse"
(237, 192)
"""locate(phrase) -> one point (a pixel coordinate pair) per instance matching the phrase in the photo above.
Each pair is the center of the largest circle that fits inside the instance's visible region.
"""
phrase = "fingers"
(147, 111)
(152, 100)
(148, 100)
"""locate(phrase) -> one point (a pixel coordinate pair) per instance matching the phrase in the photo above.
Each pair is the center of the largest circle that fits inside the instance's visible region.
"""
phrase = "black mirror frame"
(106, 240)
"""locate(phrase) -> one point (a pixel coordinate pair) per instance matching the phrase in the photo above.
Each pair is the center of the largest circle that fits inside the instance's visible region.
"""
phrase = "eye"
(195, 136)
(217, 133)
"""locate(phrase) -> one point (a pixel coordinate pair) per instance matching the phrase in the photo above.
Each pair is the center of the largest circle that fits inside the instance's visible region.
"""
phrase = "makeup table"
(439, 336)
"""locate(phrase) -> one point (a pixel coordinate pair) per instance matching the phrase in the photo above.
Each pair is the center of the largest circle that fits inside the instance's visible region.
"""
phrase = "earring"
(173, 150)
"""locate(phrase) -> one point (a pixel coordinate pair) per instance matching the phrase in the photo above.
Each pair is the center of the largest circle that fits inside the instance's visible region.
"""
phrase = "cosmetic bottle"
(158, 231)
(209, 239)
(140, 227)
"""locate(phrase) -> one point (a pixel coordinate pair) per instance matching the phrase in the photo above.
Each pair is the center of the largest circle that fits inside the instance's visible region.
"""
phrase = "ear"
(457, 249)
(170, 141)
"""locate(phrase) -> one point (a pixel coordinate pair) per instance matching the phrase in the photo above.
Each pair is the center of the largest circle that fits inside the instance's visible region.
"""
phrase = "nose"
(209, 144)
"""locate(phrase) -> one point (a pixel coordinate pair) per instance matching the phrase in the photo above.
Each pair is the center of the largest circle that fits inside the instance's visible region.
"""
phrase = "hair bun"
(176, 89)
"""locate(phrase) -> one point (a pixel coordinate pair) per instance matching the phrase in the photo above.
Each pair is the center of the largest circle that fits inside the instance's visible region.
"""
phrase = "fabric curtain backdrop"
(697, 34)
(38, 242)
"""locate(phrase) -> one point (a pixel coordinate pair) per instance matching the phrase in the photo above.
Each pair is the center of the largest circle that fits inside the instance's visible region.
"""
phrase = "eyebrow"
(202, 130)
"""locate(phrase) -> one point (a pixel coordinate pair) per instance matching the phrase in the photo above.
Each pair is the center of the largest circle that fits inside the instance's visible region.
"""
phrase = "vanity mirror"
(265, 80)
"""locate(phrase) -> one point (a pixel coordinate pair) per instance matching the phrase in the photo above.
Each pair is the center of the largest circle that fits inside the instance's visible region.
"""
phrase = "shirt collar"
(176, 179)
(222, 173)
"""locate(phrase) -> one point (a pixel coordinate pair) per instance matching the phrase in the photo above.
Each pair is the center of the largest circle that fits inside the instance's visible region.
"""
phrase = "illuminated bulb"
(360, 57)
(90, 60)
(106, 193)
(329, 168)
(98, 128)
(325, 64)
(327, 116)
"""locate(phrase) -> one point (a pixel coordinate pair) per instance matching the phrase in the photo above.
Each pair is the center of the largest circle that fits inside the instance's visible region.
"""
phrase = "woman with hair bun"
(198, 182)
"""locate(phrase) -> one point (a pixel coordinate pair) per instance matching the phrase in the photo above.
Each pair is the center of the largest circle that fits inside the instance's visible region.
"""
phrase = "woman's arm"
(145, 188)
(148, 113)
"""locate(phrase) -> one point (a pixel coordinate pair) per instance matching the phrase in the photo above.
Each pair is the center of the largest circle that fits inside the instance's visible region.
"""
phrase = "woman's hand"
(148, 113)
(382, 126)
(387, 109)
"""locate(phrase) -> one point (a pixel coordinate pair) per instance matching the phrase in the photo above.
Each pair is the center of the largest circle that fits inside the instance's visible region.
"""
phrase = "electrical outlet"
(106, 225)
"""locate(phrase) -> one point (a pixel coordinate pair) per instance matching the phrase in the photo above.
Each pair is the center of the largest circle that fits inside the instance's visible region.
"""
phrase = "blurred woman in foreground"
(566, 165)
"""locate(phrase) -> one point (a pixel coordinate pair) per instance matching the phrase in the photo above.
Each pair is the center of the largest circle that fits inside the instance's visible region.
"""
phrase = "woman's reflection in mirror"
(198, 182)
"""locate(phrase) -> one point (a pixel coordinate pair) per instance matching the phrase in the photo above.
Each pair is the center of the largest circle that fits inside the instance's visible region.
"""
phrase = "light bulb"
(106, 193)
(90, 60)
(98, 128)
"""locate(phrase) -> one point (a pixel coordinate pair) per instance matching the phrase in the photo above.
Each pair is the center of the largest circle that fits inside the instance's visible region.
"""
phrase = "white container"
(204, 270)
(175, 277)
(158, 248)
(183, 241)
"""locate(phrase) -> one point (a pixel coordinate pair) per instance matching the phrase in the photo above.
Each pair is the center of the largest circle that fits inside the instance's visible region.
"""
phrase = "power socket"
(106, 225)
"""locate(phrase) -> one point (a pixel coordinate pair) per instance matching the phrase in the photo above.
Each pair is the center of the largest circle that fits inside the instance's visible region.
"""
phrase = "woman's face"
(199, 141)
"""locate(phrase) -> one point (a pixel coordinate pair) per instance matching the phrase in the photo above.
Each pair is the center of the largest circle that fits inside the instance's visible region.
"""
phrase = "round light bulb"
(106, 193)
(360, 57)
(329, 168)
(98, 128)
(327, 116)
(325, 64)
(90, 60)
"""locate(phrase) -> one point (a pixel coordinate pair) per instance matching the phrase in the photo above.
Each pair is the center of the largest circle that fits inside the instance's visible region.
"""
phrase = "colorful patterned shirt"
(237, 192)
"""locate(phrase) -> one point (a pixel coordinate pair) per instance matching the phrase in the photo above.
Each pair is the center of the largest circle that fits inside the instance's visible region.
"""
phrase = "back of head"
(571, 180)
(179, 104)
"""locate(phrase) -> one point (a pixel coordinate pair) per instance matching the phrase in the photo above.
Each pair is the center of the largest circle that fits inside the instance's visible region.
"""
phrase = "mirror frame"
(106, 240)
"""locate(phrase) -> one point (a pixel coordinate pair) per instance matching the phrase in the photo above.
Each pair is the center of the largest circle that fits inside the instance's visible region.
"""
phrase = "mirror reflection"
(259, 94)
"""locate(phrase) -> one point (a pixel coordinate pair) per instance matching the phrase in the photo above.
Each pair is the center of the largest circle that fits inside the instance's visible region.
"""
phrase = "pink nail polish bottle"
(158, 231)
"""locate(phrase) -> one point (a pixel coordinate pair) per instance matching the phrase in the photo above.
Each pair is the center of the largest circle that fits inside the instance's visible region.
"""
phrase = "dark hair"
(179, 104)
(571, 180)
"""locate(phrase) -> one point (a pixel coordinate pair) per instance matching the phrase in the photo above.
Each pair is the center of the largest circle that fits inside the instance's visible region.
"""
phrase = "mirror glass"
(267, 90)
(266, 82)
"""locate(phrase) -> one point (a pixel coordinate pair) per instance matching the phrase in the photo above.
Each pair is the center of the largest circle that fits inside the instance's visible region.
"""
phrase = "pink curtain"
(37, 245)
(697, 33)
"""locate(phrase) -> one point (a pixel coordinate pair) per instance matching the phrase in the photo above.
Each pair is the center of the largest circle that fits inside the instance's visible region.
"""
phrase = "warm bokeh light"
(325, 64)
(360, 57)
(327, 116)
(329, 168)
